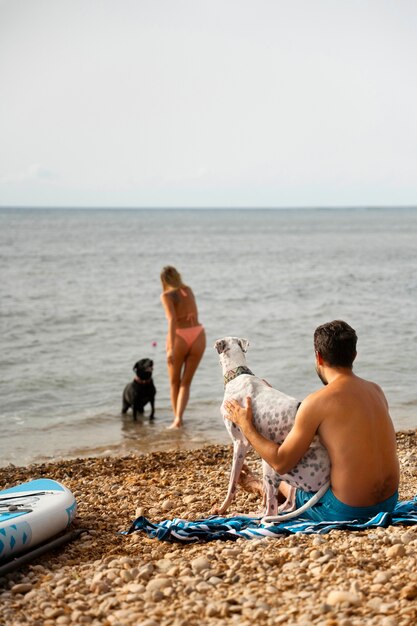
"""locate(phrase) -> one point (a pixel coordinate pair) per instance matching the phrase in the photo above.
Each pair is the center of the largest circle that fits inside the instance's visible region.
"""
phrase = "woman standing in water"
(186, 340)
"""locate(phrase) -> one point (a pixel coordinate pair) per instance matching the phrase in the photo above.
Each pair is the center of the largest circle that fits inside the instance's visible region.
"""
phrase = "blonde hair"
(170, 277)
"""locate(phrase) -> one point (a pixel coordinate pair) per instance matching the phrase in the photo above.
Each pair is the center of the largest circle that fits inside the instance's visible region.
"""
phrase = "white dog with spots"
(273, 416)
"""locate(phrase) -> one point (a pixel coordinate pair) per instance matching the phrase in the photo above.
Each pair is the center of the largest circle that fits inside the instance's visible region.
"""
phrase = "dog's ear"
(244, 344)
(220, 345)
(136, 365)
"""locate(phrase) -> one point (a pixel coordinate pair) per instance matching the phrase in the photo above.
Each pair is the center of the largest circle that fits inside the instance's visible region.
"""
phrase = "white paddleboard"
(33, 512)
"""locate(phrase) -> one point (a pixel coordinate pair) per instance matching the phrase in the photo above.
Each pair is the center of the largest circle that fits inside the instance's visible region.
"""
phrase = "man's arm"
(282, 458)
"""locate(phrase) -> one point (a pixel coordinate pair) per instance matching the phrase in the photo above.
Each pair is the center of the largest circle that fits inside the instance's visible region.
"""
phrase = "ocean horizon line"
(211, 208)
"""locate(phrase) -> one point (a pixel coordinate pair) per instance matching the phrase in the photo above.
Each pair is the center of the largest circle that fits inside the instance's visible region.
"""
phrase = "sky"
(208, 103)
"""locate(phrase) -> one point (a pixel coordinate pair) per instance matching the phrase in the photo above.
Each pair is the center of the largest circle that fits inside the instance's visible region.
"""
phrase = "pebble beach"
(107, 579)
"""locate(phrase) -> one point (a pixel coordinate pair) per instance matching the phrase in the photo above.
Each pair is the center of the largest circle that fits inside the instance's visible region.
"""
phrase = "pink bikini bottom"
(190, 334)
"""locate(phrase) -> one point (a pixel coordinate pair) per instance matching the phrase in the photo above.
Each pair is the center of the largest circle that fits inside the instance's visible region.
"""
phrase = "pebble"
(409, 592)
(146, 571)
(134, 588)
(338, 596)
(212, 610)
(157, 584)
(164, 565)
(408, 537)
(53, 613)
(190, 499)
(22, 588)
(200, 564)
(203, 586)
(381, 578)
(397, 550)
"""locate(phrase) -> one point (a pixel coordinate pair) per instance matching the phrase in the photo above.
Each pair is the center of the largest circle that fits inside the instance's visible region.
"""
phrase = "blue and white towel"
(231, 528)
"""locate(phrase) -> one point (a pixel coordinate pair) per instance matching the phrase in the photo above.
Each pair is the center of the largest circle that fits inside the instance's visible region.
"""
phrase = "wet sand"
(103, 578)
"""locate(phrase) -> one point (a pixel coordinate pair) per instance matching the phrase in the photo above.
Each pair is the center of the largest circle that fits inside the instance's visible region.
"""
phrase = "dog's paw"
(250, 482)
(218, 510)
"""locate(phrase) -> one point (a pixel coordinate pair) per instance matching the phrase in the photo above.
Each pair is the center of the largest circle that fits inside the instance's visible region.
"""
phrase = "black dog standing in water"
(141, 390)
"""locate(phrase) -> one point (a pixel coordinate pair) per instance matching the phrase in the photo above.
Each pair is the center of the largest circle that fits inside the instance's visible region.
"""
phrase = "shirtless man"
(351, 417)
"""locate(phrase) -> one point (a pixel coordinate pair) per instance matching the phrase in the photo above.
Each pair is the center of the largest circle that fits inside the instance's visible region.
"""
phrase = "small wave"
(411, 403)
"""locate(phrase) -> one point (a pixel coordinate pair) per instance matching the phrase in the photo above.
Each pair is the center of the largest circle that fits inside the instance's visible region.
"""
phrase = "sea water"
(80, 304)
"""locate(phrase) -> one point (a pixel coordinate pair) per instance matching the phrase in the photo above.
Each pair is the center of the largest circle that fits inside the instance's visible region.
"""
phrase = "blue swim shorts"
(329, 508)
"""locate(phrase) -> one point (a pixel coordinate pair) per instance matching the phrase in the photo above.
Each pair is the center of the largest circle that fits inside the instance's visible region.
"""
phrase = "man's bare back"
(359, 436)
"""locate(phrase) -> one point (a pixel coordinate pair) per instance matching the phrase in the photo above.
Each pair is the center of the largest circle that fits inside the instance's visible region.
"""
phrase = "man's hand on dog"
(240, 415)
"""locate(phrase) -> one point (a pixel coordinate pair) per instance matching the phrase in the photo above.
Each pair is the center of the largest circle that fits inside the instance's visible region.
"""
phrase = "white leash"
(276, 519)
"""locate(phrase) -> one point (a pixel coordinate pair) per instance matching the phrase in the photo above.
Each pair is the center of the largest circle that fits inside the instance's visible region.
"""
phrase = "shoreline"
(343, 578)
(178, 440)
(126, 448)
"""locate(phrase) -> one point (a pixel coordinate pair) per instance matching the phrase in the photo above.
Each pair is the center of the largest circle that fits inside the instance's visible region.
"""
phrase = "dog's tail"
(276, 519)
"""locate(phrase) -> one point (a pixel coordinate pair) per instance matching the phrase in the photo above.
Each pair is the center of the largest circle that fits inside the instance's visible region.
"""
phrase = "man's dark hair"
(336, 342)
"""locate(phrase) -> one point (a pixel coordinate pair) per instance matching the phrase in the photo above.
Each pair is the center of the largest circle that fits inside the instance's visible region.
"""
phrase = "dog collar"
(142, 382)
(232, 374)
